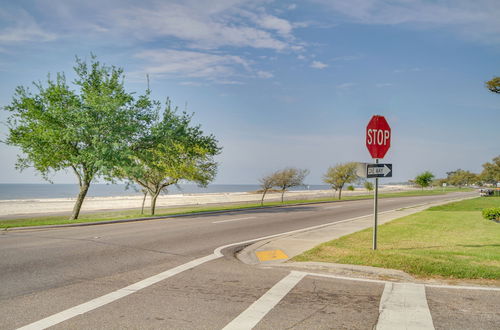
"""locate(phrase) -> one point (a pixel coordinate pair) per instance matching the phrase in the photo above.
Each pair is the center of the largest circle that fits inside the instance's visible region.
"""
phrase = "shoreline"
(51, 206)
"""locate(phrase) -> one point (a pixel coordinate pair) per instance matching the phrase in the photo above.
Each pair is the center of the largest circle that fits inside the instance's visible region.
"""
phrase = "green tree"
(462, 178)
(289, 177)
(491, 171)
(87, 130)
(424, 179)
(337, 176)
(368, 185)
(494, 85)
(266, 183)
(170, 150)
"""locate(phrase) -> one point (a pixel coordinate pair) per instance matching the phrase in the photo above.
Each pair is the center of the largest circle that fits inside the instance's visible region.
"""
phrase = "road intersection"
(181, 273)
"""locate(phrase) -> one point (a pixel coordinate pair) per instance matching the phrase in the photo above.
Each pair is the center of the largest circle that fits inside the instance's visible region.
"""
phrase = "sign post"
(378, 142)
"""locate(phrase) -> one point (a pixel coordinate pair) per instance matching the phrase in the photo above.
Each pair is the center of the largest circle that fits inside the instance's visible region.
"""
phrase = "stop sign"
(378, 137)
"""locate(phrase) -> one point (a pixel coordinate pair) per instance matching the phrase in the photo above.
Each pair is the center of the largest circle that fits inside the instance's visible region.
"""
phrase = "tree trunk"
(263, 195)
(340, 193)
(84, 188)
(282, 194)
(144, 200)
(153, 202)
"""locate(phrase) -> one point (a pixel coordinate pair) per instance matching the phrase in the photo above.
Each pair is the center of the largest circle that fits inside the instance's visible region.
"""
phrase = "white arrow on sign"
(386, 170)
(379, 171)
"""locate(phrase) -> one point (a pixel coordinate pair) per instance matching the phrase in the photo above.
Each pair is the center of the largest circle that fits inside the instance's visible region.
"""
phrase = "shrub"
(350, 188)
(492, 213)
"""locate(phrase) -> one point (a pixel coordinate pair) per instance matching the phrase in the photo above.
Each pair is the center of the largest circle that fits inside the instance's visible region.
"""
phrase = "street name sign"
(379, 170)
(378, 137)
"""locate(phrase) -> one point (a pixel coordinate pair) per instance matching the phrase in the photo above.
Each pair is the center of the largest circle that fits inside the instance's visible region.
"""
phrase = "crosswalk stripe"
(404, 306)
(256, 312)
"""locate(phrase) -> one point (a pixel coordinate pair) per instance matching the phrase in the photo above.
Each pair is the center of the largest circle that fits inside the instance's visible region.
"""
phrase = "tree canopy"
(88, 130)
(337, 176)
(491, 171)
(424, 179)
(170, 150)
(493, 85)
(289, 177)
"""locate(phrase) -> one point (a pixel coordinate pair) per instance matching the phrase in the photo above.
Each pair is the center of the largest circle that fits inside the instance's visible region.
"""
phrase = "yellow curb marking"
(271, 255)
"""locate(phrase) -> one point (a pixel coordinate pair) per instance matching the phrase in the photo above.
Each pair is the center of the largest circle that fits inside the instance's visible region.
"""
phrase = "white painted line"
(231, 220)
(113, 296)
(333, 207)
(484, 288)
(256, 312)
(110, 297)
(404, 306)
(346, 278)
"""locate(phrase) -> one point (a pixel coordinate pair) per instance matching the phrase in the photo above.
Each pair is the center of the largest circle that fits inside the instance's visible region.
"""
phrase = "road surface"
(165, 274)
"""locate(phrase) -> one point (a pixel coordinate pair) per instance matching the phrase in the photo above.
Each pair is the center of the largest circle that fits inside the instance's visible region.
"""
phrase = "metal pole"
(375, 211)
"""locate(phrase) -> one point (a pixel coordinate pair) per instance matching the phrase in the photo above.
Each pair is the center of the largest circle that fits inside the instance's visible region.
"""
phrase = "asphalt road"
(125, 276)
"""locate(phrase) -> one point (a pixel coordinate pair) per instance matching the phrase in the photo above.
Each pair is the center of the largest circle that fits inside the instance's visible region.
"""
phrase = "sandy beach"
(50, 206)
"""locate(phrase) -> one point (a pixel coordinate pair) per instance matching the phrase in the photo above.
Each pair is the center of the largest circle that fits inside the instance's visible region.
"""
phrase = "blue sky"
(283, 83)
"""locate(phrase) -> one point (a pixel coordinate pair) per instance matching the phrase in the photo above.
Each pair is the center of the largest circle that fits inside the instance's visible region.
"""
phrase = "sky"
(282, 83)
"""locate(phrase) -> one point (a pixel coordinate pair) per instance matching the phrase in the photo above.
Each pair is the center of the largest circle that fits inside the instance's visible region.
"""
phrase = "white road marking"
(231, 220)
(333, 207)
(256, 312)
(404, 306)
(483, 288)
(110, 297)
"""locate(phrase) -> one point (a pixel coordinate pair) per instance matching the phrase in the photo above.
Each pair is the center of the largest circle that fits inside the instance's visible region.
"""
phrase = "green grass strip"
(135, 214)
(451, 241)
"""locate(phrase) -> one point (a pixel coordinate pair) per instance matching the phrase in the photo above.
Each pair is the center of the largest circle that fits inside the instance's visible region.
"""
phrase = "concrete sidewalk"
(277, 251)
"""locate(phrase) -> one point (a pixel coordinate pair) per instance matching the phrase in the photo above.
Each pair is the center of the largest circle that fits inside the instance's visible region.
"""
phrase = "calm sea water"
(28, 191)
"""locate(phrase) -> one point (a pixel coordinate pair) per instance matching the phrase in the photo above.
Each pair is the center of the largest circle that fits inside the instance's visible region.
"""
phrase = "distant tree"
(88, 130)
(424, 179)
(368, 185)
(462, 178)
(494, 85)
(491, 171)
(266, 183)
(350, 188)
(337, 176)
(289, 177)
(171, 150)
(439, 182)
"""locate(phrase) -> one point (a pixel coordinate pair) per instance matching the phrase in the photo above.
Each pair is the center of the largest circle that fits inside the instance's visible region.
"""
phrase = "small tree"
(266, 183)
(289, 177)
(462, 178)
(491, 171)
(337, 176)
(88, 130)
(171, 150)
(368, 186)
(350, 188)
(424, 179)
(494, 85)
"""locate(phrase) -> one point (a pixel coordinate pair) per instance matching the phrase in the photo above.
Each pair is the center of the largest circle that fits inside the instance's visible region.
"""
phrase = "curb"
(248, 254)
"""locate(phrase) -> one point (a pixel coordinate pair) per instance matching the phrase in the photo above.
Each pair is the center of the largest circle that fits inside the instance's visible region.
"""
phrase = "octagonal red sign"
(378, 137)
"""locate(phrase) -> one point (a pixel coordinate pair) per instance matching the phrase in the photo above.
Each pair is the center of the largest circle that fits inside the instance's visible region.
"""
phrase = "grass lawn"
(135, 214)
(449, 241)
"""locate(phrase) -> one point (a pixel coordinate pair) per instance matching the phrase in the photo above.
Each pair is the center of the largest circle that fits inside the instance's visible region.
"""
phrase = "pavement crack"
(108, 244)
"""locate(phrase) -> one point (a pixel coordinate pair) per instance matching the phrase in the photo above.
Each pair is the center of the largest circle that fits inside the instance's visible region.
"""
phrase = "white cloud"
(264, 74)
(168, 62)
(292, 6)
(23, 29)
(346, 85)
(477, 19)
(202, 26)
(318, 65)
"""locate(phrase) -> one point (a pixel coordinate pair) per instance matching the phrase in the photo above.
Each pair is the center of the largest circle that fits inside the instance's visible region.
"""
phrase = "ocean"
(32, 191)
